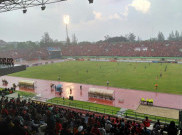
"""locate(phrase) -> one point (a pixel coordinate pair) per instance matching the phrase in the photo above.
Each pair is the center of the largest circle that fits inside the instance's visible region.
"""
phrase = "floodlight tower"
(66, 22)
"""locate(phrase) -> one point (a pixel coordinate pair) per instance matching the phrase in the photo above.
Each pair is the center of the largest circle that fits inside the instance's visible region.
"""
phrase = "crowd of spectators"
(26, 54)
(136, 49)
(22, 117)
(6, 91)
(144, 49)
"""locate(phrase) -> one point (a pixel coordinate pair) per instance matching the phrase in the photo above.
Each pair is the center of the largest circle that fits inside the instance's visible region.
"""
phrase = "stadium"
(119, 85)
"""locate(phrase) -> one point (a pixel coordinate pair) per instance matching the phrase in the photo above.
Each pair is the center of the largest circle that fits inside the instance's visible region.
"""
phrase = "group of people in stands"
(22, 117)
(6, 91)
(137, 49)
(26, 54)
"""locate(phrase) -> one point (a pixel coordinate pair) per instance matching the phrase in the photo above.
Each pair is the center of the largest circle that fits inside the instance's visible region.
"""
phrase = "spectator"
(95, 130)
(146, 131)
(146, 122)
(58, 127)
(108, 126)
(171, 129)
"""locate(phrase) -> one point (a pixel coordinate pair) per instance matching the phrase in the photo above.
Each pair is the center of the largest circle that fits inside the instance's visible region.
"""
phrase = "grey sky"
(91, 22)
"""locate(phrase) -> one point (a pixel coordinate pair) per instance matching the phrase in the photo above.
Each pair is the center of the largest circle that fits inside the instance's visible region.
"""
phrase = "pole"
(66, 30)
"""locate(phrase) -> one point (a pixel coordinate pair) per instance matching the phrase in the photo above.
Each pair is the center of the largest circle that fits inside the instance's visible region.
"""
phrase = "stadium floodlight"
(24, 10)
(91, 1)
(66, 19)
(43, 7)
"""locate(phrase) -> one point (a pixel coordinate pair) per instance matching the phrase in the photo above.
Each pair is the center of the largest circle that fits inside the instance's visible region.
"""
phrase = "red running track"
(130, 98)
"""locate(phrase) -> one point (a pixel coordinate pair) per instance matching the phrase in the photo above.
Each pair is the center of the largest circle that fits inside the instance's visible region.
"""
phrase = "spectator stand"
(49, 107)
(129, 114)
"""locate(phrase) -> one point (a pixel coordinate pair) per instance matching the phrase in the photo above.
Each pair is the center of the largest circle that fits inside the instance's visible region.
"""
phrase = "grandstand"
(134, 120)
(138, 49)
(118, 85)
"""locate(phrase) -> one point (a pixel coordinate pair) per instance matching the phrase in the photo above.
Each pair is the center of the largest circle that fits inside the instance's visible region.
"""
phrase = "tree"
(138, 39)
(46, 40)
(116, 39)
(106, 37)
(177, 36)
(131, 37)
(84, 43)
(180, 37)
(74, 39)
(171, 36)
(68, 41)
(152, 39)
(160, 36)
(27, 45)
(31, 45)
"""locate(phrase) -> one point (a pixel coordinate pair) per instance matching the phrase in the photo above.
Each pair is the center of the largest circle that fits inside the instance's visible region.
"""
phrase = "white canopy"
(26, 82)
(101, 92)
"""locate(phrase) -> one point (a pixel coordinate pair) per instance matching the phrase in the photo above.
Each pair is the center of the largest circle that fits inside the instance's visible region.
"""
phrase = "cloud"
(97, 15)
(115, 16)
(100, 16)
(126, 9)
(141, 5)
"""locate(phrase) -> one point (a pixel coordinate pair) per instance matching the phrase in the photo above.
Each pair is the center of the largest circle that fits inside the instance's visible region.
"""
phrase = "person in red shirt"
(156, 86)
(139, 129)
(4, 112)
(146, 122)
(133, 123)
(95, 130)
(58, 127)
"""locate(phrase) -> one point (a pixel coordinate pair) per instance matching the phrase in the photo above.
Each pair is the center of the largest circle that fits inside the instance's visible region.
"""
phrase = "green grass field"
(25, 94)
(122, 75)
(86, 105)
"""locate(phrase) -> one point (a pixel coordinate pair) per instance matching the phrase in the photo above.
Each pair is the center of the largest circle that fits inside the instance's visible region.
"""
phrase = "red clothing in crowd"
(147, 123)
(58, 128)
(95, 131)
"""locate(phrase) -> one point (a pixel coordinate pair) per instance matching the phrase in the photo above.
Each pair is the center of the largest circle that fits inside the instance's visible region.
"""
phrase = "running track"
(131, 98)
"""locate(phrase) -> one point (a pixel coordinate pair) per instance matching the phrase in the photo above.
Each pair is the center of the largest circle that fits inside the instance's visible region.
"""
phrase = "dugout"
(26, 84)
(101, 93)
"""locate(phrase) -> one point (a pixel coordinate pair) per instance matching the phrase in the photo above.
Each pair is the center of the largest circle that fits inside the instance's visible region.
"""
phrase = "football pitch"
(139, 76)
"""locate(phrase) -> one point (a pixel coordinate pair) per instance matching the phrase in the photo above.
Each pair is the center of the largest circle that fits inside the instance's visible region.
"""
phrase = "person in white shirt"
(108, 126)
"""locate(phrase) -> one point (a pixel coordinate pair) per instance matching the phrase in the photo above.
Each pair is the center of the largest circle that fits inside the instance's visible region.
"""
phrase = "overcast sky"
(91, 22)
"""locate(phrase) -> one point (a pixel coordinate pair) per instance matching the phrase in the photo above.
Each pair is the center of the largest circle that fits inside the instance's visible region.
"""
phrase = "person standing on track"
(156, 86)
(70, 91)
(107, 83)
(59, 78)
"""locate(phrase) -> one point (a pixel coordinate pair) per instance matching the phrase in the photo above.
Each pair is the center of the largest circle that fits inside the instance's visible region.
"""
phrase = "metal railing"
(154, 118)
(126, 114)
(83, 107)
